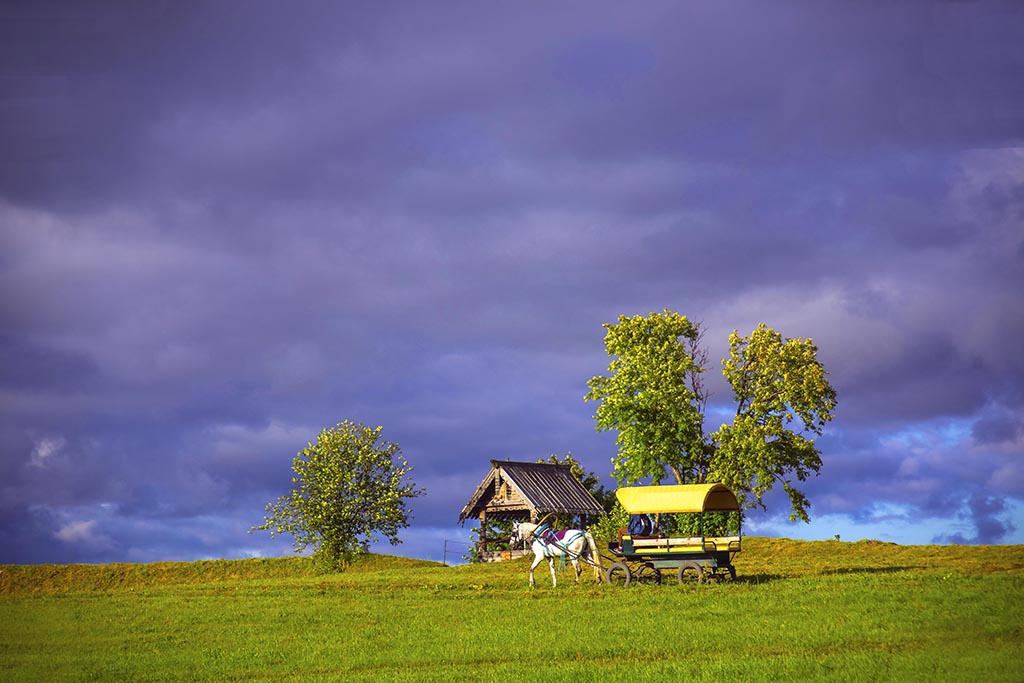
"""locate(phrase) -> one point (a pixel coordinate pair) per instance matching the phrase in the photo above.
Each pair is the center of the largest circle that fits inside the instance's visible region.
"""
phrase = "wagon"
(643, 556)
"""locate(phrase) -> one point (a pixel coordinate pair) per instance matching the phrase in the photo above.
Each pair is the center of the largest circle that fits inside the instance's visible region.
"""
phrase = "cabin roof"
(540, 488)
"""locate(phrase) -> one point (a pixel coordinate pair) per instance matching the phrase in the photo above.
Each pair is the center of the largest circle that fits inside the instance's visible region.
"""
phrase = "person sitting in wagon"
(640, 525)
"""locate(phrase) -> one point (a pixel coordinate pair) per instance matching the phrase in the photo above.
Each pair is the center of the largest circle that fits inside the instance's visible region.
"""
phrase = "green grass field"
(865, 611)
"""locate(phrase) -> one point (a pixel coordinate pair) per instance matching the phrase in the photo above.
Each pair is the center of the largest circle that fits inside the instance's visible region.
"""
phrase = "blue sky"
(222, 231)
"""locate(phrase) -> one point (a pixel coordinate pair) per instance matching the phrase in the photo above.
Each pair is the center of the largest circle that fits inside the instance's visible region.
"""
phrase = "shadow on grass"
(869, 570)
(758, 578)
(838, 571)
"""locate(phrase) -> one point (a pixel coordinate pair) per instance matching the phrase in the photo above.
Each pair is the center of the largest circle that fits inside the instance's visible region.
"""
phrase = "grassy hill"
(71, 578)
(804, 610)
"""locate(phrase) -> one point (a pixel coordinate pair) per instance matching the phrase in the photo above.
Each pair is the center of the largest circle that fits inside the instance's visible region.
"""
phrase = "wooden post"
(483, 534)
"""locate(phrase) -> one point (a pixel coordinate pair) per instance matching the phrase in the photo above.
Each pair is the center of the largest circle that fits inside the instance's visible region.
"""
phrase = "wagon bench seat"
(655, 541)
(693, 544)
(722, 543)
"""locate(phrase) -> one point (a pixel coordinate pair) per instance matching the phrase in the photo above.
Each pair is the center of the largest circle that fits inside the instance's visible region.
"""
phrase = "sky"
(226, 226)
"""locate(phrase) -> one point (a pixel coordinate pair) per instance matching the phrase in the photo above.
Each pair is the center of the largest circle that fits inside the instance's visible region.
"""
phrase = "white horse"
(548, 543)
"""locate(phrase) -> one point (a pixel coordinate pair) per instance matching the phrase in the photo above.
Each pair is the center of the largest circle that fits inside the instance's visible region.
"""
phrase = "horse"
(572, 543)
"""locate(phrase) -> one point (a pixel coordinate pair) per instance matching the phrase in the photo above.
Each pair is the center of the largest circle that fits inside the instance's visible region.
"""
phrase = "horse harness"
(549, 538)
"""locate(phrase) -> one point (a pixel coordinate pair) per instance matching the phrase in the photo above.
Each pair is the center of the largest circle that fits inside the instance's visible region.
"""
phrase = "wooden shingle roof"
(512, 488)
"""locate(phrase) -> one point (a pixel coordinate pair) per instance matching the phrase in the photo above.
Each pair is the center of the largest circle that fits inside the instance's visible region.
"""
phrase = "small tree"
(607, 527)
(348, 487)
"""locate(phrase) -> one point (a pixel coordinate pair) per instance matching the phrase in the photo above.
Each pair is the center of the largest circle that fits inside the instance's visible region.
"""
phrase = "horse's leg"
(536, 560)
(579, 570)
(595, 558)
(551, 563)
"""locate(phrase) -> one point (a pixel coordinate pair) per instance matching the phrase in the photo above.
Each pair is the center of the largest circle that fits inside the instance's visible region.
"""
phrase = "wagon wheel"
(648, 573)
(618, 574)
(691, 572)
(715, 575)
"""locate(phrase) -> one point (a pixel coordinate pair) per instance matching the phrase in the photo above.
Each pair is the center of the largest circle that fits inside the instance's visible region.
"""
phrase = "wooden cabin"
(526, 491)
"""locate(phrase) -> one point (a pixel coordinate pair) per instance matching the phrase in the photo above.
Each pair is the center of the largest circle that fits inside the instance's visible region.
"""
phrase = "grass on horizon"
(808, 610)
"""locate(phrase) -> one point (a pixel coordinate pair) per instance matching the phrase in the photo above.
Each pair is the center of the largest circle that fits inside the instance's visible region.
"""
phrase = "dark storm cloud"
(1001, 428)
(317, 98)
(982, 512)
(221, 231)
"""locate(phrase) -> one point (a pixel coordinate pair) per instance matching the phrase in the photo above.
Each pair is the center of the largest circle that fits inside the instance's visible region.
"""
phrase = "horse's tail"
(595, 557)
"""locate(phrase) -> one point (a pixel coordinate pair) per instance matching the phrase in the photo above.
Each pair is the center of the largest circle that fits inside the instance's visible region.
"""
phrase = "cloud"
(985, 514)
(998, 426)
(46, 448)
(76, 532)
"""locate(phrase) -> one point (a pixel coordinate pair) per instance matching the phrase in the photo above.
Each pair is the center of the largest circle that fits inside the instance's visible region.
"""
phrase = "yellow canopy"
(679, 498)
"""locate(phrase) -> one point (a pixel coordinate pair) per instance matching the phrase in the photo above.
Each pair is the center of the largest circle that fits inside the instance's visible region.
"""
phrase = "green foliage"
(349, 487)
(781, 392)
(654, 397)
(692, 524)
(607, 527)
(647, 399)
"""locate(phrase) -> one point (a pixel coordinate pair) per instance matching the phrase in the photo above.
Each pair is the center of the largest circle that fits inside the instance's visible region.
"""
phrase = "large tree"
(349, 487)
(655, 398)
